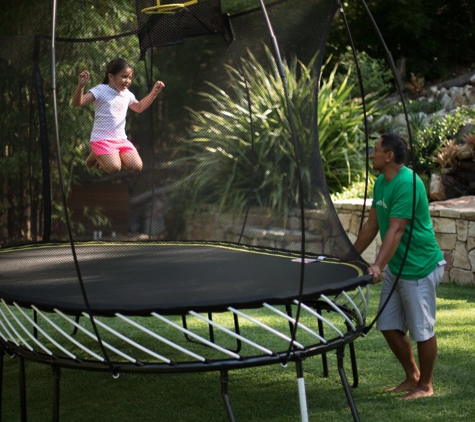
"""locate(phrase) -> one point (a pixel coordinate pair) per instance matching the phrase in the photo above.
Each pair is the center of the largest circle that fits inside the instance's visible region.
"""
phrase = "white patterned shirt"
(110, 108)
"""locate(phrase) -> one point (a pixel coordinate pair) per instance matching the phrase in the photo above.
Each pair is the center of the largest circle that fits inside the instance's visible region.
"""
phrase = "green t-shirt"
(393, 199)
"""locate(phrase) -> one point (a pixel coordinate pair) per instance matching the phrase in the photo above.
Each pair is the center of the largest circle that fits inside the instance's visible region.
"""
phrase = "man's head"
(390, 149)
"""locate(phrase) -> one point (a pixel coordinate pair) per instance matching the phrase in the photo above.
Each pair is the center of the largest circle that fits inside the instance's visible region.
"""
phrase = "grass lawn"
(269, 394)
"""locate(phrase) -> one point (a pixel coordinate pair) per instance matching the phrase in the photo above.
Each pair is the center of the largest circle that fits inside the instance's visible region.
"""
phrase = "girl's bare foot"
(91, 160)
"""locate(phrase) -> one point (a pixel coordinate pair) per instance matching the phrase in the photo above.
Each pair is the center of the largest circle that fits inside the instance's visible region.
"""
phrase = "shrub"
(219, 151)
(417, 106)
(376, 75)
(429, 141)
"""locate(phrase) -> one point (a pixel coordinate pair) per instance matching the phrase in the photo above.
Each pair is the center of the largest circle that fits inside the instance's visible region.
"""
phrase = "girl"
(110, 147)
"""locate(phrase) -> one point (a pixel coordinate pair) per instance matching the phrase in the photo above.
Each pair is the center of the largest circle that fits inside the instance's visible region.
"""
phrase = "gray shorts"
(412, 306)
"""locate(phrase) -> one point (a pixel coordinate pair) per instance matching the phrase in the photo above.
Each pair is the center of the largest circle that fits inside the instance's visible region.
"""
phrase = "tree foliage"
(432, 35)
(25, 66)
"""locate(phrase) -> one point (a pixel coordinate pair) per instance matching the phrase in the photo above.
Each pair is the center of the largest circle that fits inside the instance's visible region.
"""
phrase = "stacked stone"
(453, 221)
(454, 227)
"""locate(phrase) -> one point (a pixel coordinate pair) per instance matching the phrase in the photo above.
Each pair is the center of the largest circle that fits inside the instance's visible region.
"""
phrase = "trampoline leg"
(56, 376)
(354, 367)
(35, 330)
(21, 372)
(321, 333)
(75, 330)
(349, 397)
(224, 393)
(302, 392)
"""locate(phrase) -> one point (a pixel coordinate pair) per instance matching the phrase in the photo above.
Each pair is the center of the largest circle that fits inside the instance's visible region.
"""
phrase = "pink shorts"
(107, 146)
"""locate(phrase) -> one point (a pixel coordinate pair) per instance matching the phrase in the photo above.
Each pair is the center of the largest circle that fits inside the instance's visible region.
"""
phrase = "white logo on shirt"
(381, 203)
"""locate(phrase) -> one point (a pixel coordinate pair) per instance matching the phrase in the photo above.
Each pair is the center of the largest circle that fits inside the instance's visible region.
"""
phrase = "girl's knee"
(134, 168)
(132, 162)
(110, 165)
(112, 169)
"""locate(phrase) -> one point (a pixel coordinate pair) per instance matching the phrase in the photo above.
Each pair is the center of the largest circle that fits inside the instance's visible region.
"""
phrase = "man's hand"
(375, 270)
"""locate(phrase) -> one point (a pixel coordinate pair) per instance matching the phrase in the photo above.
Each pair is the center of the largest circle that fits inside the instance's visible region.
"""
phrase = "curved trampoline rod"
(196, 336)
(282, 74)
(160, 338)
(401, 95)
(65, 334)
(130, 341)
(61, 178)
(363, 102)
(18, 338)
(232, 333)
(266, 327)
(88, 333)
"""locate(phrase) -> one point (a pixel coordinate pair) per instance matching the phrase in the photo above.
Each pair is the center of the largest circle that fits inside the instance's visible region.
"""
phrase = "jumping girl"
(110, 147)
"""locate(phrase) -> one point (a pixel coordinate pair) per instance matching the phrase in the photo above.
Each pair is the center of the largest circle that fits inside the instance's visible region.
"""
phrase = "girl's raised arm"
(79, 98)
(145, 103)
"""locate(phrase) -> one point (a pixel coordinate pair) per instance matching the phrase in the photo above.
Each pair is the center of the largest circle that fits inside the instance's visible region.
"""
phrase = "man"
(412, 306)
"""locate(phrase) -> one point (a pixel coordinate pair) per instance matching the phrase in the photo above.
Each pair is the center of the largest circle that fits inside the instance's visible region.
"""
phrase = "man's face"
(379, 157)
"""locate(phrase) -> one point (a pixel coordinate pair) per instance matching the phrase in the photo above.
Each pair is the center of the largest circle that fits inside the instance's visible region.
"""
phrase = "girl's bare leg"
(110, 163)
(131, 161)
(91, 160)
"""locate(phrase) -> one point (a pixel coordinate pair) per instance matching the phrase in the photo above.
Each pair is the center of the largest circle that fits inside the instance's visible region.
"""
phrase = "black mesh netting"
(229, 148)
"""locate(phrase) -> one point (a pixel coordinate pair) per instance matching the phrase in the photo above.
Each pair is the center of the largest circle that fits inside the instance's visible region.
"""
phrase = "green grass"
(268, 394)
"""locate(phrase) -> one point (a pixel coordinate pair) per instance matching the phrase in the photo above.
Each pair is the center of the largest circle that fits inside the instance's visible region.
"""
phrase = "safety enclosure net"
(231, 206)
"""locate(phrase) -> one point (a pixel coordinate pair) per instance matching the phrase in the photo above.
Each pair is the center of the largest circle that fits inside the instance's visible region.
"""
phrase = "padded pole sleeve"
(302, 393)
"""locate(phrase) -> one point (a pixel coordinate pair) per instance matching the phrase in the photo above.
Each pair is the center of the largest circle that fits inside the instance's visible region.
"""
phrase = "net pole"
(283, 76)
(392, 65)
(61, 180)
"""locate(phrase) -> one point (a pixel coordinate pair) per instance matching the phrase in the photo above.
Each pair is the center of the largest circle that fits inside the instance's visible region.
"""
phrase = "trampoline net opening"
(229, 197)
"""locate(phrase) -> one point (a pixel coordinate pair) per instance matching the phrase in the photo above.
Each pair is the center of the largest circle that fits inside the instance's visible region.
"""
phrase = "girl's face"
(122, 80)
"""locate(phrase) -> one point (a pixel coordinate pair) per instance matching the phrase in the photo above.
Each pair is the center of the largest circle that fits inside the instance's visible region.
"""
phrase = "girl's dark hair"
(395, 143)
(116, 66)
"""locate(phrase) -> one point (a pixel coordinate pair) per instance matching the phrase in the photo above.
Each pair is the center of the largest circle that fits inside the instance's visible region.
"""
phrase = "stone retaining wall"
(454, 226)
(453, 220)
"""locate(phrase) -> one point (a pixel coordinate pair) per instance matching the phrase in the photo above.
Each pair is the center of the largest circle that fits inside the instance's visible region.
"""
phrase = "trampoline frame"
(351, 309)
(15, 337)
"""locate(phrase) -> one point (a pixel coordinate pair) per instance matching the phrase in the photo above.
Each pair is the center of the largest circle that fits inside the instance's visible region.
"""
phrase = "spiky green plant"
(227, 149)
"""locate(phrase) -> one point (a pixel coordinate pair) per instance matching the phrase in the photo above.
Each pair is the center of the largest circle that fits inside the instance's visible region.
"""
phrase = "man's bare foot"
(407, 385)
(417, 393)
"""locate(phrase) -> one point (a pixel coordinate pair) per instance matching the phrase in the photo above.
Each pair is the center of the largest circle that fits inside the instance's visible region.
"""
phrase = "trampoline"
(200, 262)
(169, 278)
(41, 311)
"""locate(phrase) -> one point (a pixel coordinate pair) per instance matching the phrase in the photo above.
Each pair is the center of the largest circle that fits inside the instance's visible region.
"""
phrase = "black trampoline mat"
(170, 278)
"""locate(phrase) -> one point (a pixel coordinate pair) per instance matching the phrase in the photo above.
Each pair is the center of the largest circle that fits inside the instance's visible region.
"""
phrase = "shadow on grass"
(453, 291)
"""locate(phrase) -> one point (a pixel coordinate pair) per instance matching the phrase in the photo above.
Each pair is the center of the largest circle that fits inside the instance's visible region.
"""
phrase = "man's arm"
(388, 247)
(368, 232)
